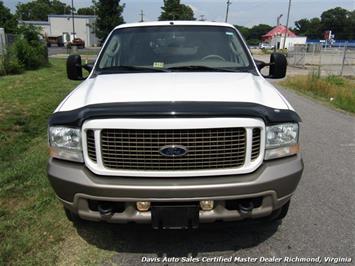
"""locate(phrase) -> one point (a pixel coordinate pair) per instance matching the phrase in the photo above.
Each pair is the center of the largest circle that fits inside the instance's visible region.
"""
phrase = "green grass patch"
(33, 227)
(336, 90)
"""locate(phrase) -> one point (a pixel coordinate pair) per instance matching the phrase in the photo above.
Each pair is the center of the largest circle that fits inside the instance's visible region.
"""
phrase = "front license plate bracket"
(175, 216)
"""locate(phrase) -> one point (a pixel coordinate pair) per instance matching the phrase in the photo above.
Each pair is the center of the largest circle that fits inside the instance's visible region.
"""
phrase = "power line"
(227, 11)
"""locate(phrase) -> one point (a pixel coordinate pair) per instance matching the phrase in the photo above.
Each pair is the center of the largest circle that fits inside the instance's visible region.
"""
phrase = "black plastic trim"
(75, 118)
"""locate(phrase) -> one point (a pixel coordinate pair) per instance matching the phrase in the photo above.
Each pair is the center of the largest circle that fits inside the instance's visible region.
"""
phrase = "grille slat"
(130, 149)
(255, 149)
(90, 139)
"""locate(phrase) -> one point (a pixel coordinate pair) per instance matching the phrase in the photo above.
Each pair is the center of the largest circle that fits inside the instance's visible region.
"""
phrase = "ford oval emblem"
(173, 151)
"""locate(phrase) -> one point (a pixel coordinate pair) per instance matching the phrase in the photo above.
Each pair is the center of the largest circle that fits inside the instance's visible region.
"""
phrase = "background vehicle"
(175, 126)
(266, 46)
(76, 42)
(54, 40)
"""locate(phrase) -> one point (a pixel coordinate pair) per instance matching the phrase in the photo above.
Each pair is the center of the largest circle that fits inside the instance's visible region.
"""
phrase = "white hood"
(175, 86)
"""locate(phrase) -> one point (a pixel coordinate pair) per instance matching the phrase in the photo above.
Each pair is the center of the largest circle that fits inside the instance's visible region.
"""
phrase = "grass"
(338, 91)
(33, 228)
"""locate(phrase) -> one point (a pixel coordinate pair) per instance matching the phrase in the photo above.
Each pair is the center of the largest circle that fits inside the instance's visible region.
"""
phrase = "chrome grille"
(90, 140)
(255, 148)
(136, 149)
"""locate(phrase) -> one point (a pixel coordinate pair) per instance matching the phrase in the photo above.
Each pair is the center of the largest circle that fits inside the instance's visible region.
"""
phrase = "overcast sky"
(242, 12)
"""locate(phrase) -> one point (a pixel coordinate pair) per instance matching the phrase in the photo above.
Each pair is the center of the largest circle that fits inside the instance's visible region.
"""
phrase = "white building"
(278, 41)
(276, 37)
(62, 25)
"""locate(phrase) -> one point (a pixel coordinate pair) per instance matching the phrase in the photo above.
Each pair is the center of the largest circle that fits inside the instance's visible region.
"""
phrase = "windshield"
(174, 48)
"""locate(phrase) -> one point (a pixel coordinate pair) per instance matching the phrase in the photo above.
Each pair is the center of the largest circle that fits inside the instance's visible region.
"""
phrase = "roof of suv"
(177, 22)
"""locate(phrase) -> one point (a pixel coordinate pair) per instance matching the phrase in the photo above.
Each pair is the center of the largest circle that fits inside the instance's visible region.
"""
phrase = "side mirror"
(278, 66)
(260, 64)
(74, 68)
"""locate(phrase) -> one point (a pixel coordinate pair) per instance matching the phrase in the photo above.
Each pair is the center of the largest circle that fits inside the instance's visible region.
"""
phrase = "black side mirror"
(278, 66)
(74, 68)
(260, 64)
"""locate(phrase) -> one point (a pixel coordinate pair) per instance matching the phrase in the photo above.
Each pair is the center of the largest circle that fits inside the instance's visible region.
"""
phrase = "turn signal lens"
(206, 205)
(143, 206)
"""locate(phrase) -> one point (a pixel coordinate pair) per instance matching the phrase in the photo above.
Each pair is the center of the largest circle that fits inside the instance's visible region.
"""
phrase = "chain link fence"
(323, 60)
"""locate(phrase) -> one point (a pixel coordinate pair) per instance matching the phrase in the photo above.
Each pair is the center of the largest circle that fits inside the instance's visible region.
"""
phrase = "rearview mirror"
(74, 68)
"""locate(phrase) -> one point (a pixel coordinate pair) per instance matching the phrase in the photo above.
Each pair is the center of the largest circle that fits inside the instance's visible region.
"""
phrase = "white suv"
(174, 126)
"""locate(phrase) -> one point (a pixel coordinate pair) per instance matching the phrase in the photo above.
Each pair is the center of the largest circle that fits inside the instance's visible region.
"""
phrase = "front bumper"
(274, 181)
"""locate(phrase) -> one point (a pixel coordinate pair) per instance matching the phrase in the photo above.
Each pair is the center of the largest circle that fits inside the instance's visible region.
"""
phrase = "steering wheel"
(213, 56)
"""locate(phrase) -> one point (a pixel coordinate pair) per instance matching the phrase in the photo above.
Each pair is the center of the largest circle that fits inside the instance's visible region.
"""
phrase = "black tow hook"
(246, 207)
(105, 209)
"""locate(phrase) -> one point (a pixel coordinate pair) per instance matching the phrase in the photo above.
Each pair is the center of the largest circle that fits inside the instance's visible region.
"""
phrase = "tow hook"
(105, 209)
(246, 207)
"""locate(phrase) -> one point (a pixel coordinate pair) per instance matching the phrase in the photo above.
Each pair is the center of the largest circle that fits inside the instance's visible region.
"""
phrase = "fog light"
(206, 205)
(143, 206)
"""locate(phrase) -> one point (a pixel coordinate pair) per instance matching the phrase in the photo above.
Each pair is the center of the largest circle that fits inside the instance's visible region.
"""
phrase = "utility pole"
(227, 11)
(142, 16)
(288, 17)
(72, 14)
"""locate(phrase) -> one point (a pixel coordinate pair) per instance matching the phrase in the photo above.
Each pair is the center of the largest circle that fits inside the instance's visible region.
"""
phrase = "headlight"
(281, 140)
(65, 143)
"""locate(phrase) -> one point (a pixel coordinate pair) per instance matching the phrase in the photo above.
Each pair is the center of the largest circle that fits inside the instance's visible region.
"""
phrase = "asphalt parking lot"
(320, 220)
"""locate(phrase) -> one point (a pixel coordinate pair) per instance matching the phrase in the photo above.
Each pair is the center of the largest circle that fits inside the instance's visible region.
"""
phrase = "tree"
(259, 30)
(86, 11)
(340, 21)
(336, 20)
(350, 27)
(40, 9)
(174, 10)
(109, 15)
(245, 31)
(7, 20)
(310, 28)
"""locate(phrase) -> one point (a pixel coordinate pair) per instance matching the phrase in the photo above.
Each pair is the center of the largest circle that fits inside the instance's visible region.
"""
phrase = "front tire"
(279, 214)
(73, 217)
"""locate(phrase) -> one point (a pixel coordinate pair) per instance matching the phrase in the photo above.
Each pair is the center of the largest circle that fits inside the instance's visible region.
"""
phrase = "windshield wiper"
(207, 68)
(127, 69)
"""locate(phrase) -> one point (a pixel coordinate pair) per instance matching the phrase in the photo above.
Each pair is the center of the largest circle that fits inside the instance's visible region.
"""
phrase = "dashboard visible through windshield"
(174, 48)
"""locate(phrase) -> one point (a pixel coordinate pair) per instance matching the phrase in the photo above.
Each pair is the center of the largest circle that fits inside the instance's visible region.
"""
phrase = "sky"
(242, 12)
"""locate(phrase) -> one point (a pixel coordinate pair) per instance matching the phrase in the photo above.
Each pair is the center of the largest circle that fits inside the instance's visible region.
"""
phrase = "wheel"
(71, 216)
(279, 214)
(213, 57)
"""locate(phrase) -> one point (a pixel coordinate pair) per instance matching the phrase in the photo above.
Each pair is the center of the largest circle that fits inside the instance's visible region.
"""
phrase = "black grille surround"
(138, 149)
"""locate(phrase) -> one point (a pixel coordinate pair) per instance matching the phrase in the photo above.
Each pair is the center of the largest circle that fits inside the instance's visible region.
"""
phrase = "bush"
(31, 55)
(27, 52)
(13, 66)
(29, 48)
(10, 64)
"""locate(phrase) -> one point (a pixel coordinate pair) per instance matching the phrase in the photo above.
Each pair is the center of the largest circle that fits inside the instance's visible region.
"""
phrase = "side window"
(111, 55)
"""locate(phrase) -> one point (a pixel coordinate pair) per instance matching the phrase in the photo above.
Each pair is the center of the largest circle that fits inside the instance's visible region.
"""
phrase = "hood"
(173, 87)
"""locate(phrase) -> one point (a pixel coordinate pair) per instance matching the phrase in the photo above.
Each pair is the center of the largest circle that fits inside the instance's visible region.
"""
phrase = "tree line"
(109, 15)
